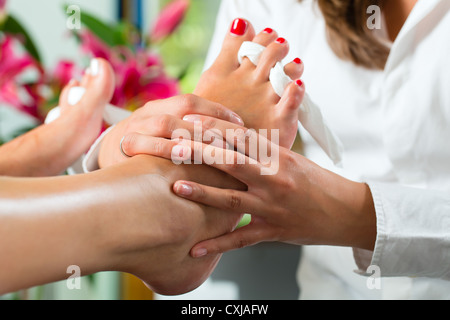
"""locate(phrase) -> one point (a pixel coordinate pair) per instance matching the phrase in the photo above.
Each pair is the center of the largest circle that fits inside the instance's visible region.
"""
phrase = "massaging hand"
(290, 199)
(158, 119)
(244, 88)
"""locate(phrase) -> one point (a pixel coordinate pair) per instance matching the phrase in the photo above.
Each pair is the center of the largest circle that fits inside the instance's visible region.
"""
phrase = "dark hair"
(348, 34)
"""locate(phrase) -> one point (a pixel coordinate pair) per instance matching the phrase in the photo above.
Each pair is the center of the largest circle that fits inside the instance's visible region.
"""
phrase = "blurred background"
(157, 48)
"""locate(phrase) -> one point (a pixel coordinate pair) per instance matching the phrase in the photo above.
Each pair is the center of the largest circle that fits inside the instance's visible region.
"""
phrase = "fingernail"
(298, 61)
(75, 95)
(198, 253)
(236, 119)
(184, 189)
(191, 118)
(281, 40)
(299, 83)
(239, 27)
(268, 30)
(94, 67)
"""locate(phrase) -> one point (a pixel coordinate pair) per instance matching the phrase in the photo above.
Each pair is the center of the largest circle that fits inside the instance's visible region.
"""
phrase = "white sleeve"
(413, 227)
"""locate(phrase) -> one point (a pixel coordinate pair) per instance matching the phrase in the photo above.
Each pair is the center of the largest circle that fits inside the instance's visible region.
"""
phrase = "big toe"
(240, 31)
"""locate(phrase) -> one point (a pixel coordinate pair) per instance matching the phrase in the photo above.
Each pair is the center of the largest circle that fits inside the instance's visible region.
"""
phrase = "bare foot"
(82, 104)
(246, 89)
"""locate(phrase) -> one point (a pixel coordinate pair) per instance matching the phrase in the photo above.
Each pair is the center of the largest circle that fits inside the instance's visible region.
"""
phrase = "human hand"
(159, 119)
(290, 199)
(152, 231)
(245, 89)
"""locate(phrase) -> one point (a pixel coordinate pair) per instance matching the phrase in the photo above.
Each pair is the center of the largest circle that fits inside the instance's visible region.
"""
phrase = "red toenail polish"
(299, 83)
(268, 30)
(298, 61)
(239, 27)
(281, 40)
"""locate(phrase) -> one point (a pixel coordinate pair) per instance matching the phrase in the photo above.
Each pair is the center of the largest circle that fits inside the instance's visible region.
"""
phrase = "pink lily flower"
(64, 71)
(169, 19)
(140, 75)
(11, 67)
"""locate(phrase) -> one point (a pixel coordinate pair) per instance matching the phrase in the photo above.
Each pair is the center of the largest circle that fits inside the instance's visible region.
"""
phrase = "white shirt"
(395, 128)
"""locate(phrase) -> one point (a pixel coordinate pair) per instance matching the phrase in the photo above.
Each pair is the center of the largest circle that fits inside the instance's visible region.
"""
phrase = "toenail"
(298, 61)
(94, 67)
(281, 40)
(268, 30)
(75, 95)
(299, 83)
(239, 27)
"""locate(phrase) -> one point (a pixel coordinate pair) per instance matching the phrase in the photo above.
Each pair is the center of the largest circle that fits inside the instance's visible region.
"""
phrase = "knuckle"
(234, 201)
(241, 243)
(220, 112)
(157, 148)
(165, 124)
(209, 123)
(129, 143)
(188, 103)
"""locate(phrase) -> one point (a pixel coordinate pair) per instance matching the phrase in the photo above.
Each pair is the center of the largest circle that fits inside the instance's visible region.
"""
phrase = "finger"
(236, 164)
(136, 143)
(243, 140)
(192, 104)
(225, 199)
(168, 126)
(240, 238)
(214, 128)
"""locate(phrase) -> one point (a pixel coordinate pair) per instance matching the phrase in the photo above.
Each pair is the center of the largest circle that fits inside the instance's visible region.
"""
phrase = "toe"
(274, 53)
(266, 37)
(287, 112)
(99, 82)
(294, 69)
(64, 100)
(290, 101)
(240, 30)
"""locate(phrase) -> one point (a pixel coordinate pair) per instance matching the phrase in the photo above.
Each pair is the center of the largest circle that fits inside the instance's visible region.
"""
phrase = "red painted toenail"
(299, 83)
(268, 30)
(239, 27)
(281, 40)
(298, 61)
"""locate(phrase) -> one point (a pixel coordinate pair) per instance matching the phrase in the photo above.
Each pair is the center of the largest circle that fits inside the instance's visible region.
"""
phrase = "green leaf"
(13, 26)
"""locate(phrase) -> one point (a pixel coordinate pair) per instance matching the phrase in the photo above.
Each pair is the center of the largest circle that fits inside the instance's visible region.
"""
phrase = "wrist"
(349, 207)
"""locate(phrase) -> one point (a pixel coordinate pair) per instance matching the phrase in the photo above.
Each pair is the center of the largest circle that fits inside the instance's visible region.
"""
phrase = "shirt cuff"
(366, 258)
(90, 160)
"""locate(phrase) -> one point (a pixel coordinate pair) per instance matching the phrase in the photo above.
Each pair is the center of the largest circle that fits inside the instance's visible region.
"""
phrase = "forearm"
(44, 151)
(47, 225)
